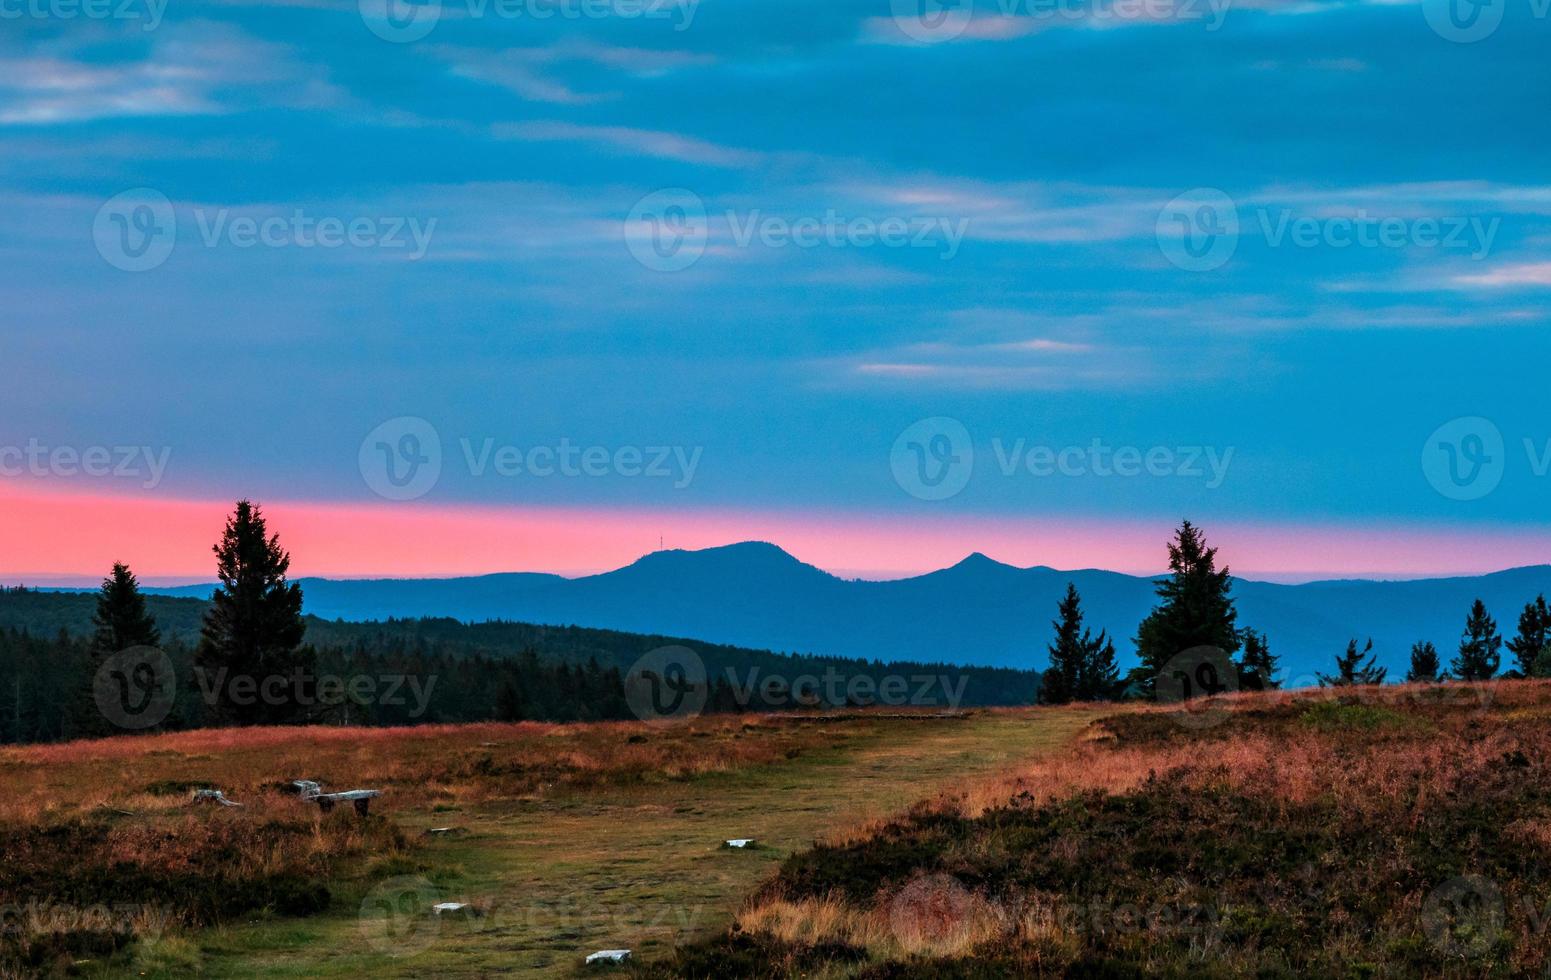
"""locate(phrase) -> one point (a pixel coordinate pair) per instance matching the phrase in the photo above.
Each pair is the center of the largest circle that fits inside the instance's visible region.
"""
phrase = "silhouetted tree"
(1479, 647)
(1099, 678)
(1534, 636)
(121, 620)
(1195, 610)
(1058, 685)
(1257, 665)
(1351, 670)
(1082, 666)
(1424, 664)
(253, 629)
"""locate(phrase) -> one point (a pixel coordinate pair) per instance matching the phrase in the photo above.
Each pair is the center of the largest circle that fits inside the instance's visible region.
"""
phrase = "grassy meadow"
(1382, 832)
(565, 838)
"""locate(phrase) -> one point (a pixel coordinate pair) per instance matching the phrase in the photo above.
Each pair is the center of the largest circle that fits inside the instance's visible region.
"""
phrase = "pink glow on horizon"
(53, 537)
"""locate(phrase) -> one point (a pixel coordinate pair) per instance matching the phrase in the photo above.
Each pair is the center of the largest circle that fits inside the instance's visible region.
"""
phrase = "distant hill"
(979, 611)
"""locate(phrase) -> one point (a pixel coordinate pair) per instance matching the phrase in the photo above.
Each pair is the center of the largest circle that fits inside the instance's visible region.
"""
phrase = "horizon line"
(69, 537)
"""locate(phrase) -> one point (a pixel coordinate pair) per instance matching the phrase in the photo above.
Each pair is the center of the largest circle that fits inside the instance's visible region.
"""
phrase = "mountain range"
(979, 611)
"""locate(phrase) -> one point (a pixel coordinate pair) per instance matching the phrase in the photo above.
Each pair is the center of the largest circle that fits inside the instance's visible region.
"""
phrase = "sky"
(486, 285)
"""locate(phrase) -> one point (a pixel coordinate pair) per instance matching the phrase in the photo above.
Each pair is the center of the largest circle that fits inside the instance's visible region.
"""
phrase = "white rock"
(609, 956)
(741, 842)
(442, 908)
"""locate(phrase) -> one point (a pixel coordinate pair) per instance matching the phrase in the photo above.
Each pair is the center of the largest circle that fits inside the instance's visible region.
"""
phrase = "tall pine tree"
(1058, 684)
(253, 629)
(1534, 636)
(1195, 608)
(1480, 647)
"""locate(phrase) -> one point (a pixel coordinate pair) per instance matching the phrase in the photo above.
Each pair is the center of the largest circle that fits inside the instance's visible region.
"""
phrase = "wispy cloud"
(1507, 276)
(667, 146)
(198, 68)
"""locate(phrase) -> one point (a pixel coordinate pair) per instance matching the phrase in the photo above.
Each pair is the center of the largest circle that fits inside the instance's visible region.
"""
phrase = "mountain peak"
(978, 561)
(758, 558)
(762, 552)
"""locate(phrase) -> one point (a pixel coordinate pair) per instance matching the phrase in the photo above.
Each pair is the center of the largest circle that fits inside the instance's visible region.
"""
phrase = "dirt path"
(559, 879)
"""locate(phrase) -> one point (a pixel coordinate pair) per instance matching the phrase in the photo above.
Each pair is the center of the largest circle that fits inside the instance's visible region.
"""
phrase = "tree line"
(1196, 610)
(392, 673)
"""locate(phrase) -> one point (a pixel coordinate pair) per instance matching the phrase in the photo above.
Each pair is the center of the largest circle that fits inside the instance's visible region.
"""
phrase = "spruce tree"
(1258, 667)
(253, 629)
(1424, 664)
(1099, 678)
(1195, 608)
(1058, 684)
(1480, 647)
(1534, 635)
(1082, 666)
(1351, 670)
(121, 619)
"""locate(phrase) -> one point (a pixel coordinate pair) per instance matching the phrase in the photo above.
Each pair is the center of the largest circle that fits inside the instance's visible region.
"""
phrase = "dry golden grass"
(1408, 786)
(433, 763)
(111, 823)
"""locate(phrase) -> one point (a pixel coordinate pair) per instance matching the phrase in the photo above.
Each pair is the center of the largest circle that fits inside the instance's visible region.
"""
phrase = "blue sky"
(1035, 154)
